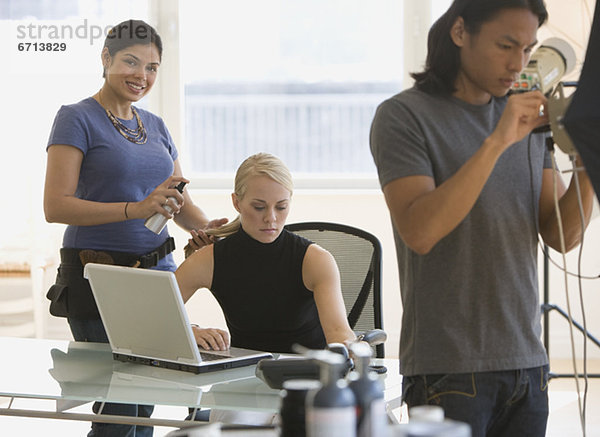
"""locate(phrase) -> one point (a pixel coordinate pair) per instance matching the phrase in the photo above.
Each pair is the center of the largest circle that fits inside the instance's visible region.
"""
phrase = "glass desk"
(75, 373)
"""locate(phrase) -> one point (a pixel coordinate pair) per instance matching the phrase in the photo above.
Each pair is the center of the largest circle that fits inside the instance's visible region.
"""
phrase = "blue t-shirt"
(115, 170)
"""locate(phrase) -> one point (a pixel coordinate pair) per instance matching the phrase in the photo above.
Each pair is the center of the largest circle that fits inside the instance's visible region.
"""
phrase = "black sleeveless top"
(260, 289)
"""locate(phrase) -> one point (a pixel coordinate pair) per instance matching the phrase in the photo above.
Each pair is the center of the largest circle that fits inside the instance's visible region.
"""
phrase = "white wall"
(34, 85)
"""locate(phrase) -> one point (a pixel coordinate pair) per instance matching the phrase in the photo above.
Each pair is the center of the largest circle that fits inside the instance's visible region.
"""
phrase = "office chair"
(358, 256)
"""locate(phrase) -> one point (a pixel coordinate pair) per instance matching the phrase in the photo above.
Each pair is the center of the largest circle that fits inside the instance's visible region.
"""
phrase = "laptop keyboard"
(212, 357)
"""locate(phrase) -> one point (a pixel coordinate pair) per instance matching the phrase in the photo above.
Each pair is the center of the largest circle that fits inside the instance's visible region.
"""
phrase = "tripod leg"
(549, 307)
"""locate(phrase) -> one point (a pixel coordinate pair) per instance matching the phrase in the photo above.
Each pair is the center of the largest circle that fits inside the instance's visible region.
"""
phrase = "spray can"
(331, 410)
(371, 419)
(157, 221)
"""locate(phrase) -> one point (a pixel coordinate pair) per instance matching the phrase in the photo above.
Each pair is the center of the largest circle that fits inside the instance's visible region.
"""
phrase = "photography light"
(582, 118)
(549, 63)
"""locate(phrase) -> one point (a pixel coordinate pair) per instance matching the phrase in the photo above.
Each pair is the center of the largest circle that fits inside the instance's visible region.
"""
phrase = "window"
(297, 79)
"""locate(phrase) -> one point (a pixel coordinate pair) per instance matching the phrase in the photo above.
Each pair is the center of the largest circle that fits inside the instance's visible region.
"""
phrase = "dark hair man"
(469, 187)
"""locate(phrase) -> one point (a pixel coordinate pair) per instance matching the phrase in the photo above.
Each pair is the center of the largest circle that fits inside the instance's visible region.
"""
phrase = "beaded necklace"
(137, 136)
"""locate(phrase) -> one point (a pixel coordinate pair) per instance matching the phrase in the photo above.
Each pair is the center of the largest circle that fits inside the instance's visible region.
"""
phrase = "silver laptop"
(146, 321)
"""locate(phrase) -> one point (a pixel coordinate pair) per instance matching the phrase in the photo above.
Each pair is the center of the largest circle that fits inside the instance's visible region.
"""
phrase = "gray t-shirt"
(471, 304)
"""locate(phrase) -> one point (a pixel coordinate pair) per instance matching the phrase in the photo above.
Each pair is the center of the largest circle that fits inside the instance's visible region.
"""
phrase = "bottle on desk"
(371, 419)
(293, 406)
(331, 410)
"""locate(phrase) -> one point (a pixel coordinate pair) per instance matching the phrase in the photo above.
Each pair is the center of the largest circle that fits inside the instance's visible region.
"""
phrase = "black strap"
(151, 258)
(146, 261)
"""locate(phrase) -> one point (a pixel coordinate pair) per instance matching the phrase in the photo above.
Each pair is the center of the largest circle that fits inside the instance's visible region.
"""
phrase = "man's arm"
(569, 208)
(423, 214)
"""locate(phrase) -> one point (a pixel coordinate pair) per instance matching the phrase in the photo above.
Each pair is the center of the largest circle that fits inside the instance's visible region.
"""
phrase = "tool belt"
(146, 261)
(71, 295)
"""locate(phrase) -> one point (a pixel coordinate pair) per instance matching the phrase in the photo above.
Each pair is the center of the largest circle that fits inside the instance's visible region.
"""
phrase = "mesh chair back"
(358, 256)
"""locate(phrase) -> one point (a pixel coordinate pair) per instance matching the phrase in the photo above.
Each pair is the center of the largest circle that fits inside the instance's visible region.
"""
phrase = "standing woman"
(111, 166)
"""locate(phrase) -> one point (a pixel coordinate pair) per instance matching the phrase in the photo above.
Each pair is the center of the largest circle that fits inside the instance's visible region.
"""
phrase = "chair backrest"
(358, 256)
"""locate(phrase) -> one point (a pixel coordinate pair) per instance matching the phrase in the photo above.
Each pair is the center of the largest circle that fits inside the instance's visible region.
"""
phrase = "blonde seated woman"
(275, 288)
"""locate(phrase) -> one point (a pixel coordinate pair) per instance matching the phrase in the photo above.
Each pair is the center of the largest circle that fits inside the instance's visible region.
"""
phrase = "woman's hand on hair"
(211, 338)
(200, 238)
(216, 223)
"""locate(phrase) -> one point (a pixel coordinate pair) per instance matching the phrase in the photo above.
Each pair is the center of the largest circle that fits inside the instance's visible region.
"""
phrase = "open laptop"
(146, 321)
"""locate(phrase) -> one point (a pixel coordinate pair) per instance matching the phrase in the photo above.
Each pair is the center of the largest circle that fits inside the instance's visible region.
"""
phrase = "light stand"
(546, 308)
(558, 103)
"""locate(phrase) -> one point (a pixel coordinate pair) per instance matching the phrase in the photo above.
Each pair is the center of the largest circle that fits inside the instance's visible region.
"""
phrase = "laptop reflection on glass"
(146, 321)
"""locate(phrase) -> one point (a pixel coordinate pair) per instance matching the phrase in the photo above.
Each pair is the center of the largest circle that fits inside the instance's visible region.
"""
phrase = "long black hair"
(443, 56)
(130, 33)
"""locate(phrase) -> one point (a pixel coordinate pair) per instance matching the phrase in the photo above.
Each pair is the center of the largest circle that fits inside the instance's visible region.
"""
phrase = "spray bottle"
(157, 221)
(371, 419)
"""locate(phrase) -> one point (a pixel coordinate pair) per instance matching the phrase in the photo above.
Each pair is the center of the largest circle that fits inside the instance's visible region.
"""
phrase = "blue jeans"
(92, 330)
(503, 403)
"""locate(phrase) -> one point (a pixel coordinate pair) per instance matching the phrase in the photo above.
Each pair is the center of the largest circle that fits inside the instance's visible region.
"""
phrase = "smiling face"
(263, 209)
(492, 58)
(131, 72)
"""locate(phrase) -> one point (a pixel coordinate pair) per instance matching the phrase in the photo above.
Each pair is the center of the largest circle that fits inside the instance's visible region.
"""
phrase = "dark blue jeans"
(504, 403)
(93, 331)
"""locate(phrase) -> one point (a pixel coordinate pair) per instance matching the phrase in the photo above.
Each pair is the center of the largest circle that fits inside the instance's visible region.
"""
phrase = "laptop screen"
(143, 312)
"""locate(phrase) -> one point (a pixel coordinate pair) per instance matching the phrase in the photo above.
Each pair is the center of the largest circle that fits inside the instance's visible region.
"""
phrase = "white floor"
(564, 418)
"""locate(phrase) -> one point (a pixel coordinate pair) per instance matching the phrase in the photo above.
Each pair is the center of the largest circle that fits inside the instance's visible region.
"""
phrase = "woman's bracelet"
(126, 216)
